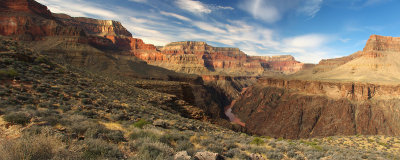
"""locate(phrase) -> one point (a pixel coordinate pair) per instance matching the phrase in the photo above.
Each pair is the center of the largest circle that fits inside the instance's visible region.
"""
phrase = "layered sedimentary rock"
(357, 94)
(201, 58)
(29, 20)
(106, 33)
(30, 6)
(284, 63)
(377, 63)
(95, 26)
(302, 109)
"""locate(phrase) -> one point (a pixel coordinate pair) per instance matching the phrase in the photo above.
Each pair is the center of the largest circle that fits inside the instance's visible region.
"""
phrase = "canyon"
(271, 95)
(357, 94)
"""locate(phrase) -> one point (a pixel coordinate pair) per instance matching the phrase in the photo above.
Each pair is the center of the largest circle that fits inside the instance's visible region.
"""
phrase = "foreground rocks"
(207, 156)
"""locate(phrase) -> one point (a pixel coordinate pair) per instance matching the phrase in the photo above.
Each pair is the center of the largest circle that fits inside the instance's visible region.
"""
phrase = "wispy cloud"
(79, 9)
(198, 8)
(162, 26)
(139, 1)
(311, 7)
(273, 10)
(193, 6)
(175, 16)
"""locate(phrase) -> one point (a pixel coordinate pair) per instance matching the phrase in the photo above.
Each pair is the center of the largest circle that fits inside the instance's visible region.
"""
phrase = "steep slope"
(50, 111)
(377, 63)
(356, 94)
(303, 109)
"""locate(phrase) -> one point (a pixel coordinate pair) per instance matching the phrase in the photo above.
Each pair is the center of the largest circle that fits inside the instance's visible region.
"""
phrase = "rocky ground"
(50, 111)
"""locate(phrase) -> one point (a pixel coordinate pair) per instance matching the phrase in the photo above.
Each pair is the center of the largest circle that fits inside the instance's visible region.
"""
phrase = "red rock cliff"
(225, 60)
(29, 6)
(29, 20)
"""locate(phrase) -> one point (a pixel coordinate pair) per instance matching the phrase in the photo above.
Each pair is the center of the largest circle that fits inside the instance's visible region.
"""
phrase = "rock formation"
(356, 94)
(377, 63)
(201, 58)
(302, 109)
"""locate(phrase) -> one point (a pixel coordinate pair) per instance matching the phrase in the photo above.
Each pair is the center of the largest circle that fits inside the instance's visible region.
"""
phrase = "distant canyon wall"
(302, 109)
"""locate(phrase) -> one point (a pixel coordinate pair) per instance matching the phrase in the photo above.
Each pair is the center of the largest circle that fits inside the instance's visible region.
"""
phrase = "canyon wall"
(302, 109)
(201, 58)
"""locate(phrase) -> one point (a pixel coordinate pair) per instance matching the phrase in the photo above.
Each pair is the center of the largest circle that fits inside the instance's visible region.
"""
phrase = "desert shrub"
(86, 101)
(52, 119)
(31, 147)
(41, 59)
(257, 141)
(216, 147)
(274, 155)
(18, 118)
(8, 73)
(141, 123)
(183, 145)
(113, 136)
(99, 149)
(237, 154)
(148, 149)
(257, 149)
(142, 134)
(82, 127)
(173, 137)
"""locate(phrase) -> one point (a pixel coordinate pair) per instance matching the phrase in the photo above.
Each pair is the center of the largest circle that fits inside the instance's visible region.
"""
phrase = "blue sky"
(310, 30)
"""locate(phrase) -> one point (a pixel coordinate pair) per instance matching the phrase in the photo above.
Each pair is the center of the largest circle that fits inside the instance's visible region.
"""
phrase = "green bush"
(18, 118)
(257, 141)
(142, 134)
(41, 59)
(8, 73)
(141, 123)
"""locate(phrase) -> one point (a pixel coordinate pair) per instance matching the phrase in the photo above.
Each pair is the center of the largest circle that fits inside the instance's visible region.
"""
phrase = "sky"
(309, 30)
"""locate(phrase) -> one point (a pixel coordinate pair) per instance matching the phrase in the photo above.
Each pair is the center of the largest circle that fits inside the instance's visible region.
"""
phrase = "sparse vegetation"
(17, 118)
(140, 123)
(62, 112)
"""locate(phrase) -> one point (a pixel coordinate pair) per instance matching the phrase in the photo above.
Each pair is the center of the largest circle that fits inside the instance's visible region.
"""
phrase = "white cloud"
(225, 7)
(306, 41)
(193, 6)
(139, 1)
(311, 7)
(307, 48)
(175, 16)
(273, 10)
(78, 8)
(154, 28)
(208, 27)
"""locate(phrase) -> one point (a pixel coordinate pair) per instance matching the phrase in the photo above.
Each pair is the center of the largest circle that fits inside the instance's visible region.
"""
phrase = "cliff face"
(377, 63)
(29, 20)
(30, 6)
(382, 43)
(201, 58)
(302, 109)
(95, 26)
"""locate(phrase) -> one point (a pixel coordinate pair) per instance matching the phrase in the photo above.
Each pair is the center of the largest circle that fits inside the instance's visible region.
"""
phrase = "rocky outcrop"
(382, 43)
(376, 63)
(207, 156)
(303, 109)
(355, 91)
(29, 20)
(95, 26)
(29, 6)
(284, 63)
